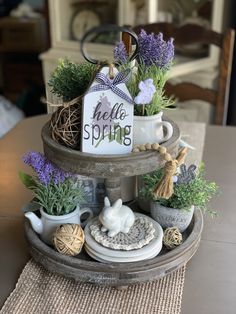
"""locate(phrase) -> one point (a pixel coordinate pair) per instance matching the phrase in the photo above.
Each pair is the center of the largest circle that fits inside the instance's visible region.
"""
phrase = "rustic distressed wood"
(193, 34)
(113, 188)
(187, 91)
(83, 268)
(110, 167)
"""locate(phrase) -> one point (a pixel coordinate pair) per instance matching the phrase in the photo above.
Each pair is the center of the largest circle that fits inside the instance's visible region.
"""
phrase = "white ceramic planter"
(171, 217)
(47, 224)
(149, 129)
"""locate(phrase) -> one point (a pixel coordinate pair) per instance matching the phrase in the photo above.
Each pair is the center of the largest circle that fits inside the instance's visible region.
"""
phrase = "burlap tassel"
(181, 156)
(164, 189)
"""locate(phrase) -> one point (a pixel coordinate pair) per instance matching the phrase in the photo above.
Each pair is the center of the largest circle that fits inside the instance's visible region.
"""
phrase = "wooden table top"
(210, 283)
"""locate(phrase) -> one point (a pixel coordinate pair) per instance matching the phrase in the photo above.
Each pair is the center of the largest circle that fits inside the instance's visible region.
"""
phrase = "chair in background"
(192, 34)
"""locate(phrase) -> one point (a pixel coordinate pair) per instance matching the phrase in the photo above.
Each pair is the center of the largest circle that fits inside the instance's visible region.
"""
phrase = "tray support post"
(113, 188)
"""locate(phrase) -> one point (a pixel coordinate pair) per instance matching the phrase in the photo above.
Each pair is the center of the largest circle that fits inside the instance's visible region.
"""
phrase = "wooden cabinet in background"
(21, 42)
(22, 34)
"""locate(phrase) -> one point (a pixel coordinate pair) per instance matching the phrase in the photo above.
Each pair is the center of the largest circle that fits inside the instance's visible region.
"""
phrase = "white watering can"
(47, 224)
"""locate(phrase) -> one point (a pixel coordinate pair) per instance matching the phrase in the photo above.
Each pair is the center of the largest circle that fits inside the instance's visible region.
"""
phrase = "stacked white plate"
(104, 254)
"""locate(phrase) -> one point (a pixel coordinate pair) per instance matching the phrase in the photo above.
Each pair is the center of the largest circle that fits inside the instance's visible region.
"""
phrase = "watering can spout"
(36, 222)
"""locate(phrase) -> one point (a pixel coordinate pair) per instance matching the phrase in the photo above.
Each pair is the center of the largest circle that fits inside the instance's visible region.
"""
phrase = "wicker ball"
(68, 239)
(172, 237)
(66, 125)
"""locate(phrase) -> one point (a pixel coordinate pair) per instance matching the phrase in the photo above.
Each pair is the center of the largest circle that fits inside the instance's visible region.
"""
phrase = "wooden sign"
(108, 115)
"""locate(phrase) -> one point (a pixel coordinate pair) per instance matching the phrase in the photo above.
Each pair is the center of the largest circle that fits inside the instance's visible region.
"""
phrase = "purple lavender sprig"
(153, 49)
(120, 53)
(46, 172)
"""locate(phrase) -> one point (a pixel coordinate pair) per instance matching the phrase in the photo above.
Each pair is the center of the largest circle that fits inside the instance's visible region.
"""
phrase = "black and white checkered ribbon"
(107, 83)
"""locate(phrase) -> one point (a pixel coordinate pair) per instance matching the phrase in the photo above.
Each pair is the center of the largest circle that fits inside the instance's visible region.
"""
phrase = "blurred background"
(34, 34)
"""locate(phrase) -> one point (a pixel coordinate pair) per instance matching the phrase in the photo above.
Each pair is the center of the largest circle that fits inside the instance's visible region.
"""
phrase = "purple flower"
(147, 90)
(103, 107)
(46, 171)
(60, 176)
(35, 160)
(153, 49)
(120, 53)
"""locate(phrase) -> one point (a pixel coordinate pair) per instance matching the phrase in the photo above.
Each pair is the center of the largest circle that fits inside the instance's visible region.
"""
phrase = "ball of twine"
(69, 239)
(172, 237)
(66, 125)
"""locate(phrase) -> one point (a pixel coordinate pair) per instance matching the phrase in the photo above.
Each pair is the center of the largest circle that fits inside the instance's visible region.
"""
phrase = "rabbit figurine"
(116, 218)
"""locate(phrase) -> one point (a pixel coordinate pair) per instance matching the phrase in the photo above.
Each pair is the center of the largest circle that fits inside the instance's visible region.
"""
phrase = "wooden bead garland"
(68, 239)
(172, 237)
(164, 188)
(155, 146)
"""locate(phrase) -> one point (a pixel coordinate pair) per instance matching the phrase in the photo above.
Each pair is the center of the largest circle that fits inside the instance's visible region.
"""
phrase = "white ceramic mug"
(149, 129)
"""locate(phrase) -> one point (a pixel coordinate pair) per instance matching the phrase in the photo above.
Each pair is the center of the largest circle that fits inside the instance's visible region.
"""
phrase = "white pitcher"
(47, 224)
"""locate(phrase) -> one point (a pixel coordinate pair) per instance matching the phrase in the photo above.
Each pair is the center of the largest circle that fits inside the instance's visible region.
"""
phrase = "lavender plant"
(120, 53)
(153, 62)
(55, 190)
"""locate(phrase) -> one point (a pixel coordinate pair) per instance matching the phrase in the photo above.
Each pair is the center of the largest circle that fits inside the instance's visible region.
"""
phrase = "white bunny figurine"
(116, 218)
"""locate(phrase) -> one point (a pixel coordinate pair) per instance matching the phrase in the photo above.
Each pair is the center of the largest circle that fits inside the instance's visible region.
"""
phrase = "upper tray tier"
(106, 166)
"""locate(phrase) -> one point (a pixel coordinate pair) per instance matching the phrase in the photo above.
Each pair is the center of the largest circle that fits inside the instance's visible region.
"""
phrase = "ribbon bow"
(106, 83)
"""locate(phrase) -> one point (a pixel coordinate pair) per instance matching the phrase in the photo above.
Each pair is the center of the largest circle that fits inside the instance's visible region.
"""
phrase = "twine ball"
(68, 239)
(172, 237)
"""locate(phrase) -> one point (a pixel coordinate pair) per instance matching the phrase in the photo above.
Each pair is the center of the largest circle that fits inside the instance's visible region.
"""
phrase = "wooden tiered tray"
(112, 168)
(85, 269)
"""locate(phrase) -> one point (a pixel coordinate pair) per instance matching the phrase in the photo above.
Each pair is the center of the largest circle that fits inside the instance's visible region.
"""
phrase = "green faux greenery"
(198, 192)
(55, 199)
(59, 199)
(160, 101)
(70, 80)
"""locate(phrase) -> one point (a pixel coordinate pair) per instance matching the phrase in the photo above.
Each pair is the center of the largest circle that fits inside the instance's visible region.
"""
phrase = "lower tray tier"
(83, 268)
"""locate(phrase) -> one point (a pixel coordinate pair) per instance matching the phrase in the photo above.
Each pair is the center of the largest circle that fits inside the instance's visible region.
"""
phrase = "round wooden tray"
(106, 166)
(84, 268)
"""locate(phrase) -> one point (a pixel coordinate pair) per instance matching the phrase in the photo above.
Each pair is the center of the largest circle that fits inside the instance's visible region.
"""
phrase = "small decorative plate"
(106, 254)
(140, 234)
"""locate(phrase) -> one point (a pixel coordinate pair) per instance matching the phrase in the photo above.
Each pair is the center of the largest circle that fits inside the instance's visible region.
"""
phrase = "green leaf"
(111, 137)
(27, 180)
(119, 136)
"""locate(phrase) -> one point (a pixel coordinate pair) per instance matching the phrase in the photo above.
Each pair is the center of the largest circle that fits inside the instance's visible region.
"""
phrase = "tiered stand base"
(112, 168)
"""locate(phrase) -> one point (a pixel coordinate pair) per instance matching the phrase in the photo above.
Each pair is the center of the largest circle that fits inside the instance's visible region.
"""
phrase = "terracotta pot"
(149, 129)
(171, 217)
